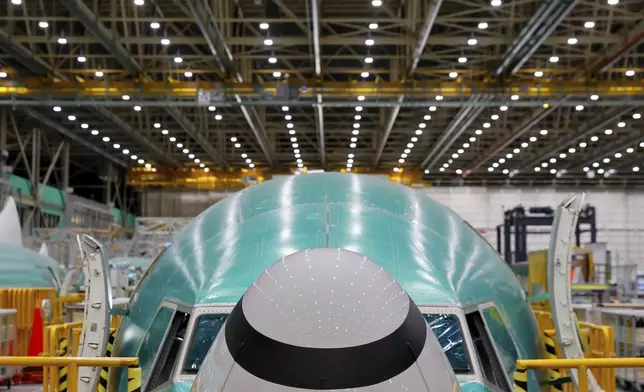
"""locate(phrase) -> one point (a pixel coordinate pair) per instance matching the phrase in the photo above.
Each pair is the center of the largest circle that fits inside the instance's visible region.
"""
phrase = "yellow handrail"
(73, 363)
(581, 364)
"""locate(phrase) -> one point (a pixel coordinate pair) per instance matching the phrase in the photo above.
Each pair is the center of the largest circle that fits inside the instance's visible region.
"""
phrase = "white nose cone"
(325, 319)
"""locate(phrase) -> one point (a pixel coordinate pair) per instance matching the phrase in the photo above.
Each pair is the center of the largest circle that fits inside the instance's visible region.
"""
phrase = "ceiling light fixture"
(637, 116)
(268, 42)
(554, 59)
(594, 97)
(187, 74)
(630, 72)
(472, 41)
(483, 25)
(165, 41)
(503, 108)
(43, 24)
(572, 41)
(98, 74)
(538, 74)
(137, 108)
(453, 75)
(369, 42)
(155, 25)
(264, 26)
(368, 60)
(589, 24)
(82, 59)
(218, 117)
(94, 132)
(462, 59)
(62, 40)
(373, 26)
(579, 108)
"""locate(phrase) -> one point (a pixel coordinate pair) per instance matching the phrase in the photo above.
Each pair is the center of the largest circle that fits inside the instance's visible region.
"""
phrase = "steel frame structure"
(322, 43)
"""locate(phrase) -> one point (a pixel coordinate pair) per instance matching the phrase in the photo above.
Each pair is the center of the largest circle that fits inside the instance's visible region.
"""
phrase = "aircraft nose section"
(326, 319)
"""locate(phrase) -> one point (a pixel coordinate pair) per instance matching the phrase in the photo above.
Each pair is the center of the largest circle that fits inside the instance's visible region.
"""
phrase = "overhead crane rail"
(36, 88)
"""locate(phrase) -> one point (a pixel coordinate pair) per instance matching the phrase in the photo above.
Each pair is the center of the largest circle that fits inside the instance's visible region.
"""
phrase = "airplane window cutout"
(162, 371)
(447, 329)
(150, 346)
(207, 326)
(492, 370)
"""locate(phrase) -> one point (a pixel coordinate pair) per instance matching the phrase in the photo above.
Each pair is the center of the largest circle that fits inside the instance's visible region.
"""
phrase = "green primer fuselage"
(436, 256)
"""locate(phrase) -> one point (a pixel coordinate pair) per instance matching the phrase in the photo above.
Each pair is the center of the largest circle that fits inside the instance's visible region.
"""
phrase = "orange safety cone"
(37, 333)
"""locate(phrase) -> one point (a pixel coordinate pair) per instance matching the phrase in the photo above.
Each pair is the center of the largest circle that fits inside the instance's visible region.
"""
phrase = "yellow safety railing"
(73, 363)
(25, 301)
(64, 340)
(598, 341)
(57, 342)
(58, 306)
(582, 365)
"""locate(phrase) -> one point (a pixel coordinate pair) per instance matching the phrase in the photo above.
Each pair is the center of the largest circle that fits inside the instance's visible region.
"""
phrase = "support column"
(64, 178)
(4, 154)
(35, 176)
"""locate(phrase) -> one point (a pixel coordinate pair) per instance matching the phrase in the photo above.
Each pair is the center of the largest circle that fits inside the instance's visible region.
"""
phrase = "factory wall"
(620, 213)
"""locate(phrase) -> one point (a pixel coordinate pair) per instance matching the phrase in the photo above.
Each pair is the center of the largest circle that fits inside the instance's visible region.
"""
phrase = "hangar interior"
(127, 126)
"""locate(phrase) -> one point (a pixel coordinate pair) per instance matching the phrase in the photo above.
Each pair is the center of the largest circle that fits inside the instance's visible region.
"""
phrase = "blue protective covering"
(24, 268)
(436, 256)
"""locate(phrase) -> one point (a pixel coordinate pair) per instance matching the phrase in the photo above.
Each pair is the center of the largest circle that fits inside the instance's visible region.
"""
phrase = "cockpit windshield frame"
(474, 375)
(197, 311)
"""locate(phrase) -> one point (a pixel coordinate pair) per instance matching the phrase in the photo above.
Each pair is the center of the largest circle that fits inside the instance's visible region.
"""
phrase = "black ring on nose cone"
(325, 368)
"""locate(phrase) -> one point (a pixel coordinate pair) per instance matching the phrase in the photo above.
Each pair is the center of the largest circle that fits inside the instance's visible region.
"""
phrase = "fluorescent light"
(594, 97)
(368, 60)
(579, 108)
(285, 108)
(472, 41)
(57, 109)
(94, 132)
(206, 170)
(478, 132)
(185, 151)
(543, 132)
(288, 117)
(233, 139)
(165, 41)
(125, 97)
(514, 97)
(636, 169)
(71, 117)
(453, 75)
(126, 151)
(134, 157)
(613, 2)
(264, 26)
(427, 117)
(360, 97)
(503, 108)
(422, 125)
(62, 40)
(84, 126)
(373, 26)
(572, 41)
(82, 59)
(537, 169)
(554, 59)
(106, 139)
(43, 25)
(594, 139)
(155, 25)
(164, 132)
(237, 145)
(621, 124)
(358, 108)
(618, 155)
(630, 72)
(571, 150)
(179, 145)
(462, 59)
(173, 139)
(268, 42)
(137, 108)
(608, 131)
(356, 117)
(369, 42)
(637, 116)
(272, 60)
(98, 74)
(3, 75)
(178, 60)
(376, 3)
(589, 24)
(218, 117)
(141, 161)
(419, 132)
(538, 74)
(139, 2)
(582, 144)
(495, 3)
(533, 139)
(432, 108)
(277, 74)
(524, 145)
(116, 146)
(486, 125)
(483, 25)
(494, 117)
(187, 74)
(439, 97)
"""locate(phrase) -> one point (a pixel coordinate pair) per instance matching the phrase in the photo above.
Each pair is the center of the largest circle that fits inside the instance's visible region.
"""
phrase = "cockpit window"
(206, 329)
(448, 331)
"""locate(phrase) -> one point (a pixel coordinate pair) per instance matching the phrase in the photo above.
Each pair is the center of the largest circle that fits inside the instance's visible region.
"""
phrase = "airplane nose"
(324, 319)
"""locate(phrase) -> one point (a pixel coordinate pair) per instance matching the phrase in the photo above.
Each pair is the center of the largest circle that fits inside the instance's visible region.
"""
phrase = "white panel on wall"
(620, 214)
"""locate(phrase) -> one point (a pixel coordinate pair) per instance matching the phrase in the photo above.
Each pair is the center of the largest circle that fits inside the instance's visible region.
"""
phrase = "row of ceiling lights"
(419, 131)
(583, 144)
(293, 138)
(106, 139)
(244, 156)
(181, 146)
(354, 134)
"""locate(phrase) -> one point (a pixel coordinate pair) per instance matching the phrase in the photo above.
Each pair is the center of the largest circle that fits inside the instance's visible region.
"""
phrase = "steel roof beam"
(223, 56)
(90, 21)
(533, 34)
(70, 135)
(580, 134)
(454, 130)
(633, 38)
(159, 155)
(319, 111)
(183, 121)
(421, 42)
